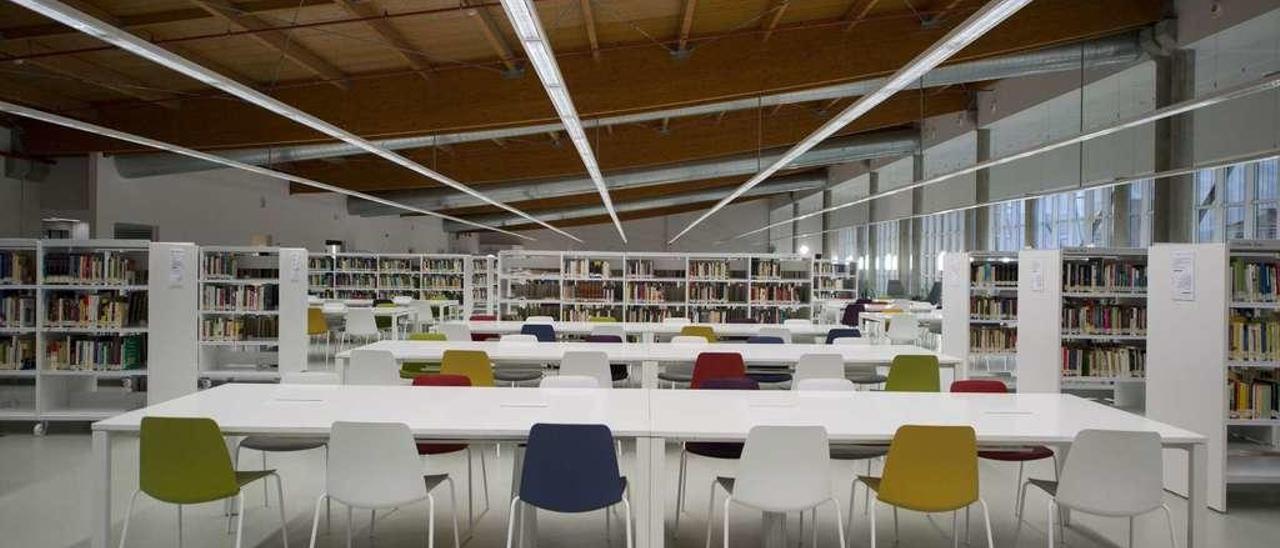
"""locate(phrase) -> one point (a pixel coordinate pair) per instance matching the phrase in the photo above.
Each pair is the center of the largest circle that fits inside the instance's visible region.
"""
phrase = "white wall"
(19, 200)
(651, 234)
(228, 207)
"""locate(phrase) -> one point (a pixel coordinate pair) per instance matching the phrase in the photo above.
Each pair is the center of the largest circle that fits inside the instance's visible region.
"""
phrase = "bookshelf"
(252, 310)
(355, 275)
(781, 287)
(18, 326)
(444, 277)
(1098, 345)
(657, 287)
(591, 286)
(834, 280)
(1223, 385)
(484, 284)
(320, 275)
(980, 312)
(530, 284)
(719, 288)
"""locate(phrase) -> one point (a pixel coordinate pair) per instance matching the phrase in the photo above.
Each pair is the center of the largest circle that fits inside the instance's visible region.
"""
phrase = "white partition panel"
(293, 310)
(173, 321)
(1039, 321)
(955, 309)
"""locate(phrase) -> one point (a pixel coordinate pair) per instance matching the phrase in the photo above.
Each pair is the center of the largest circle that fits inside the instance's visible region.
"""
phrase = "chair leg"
(680, 490)
(626, 504)
(484, 480)
(1017, 494)
(471, 497)
(866, 496)
(986, 521)
(328, 504)
(727, 500)
(1053, 508)
(711, 510)
(813, 518)
(1168, 516)
(266, 499)
(839, 526)
(180, 522)
(896, 538)
(872, 520)
(1130, 545)
(453, 497)
(351, 525)
(853, 498)
(240, 519)
(128, 515)
(1022, 502)
(315, 519)
(511, 520)
(284, 522)
(431, 521)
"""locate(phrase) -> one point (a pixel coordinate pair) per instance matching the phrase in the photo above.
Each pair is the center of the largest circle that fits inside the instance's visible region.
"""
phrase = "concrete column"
(911, 276)
(873, 247)
(1175, 81)
(978, 220)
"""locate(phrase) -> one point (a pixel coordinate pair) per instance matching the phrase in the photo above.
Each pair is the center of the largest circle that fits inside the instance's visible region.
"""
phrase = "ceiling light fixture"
(971, 29)
(88, 24)
(1266, 83)
(72, 123)
(524, 18)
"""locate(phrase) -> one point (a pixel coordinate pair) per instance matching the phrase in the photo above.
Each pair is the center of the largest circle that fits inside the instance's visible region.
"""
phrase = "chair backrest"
(316, 324)
(540, 319)
(903, 328)
(834, 334)
(608, 329)
(360, 321)
(818, 366)
(518, 338)
(799, 322)
(704, 331)
(428, 337)
(1112, 473)
(373, 465)
(590, 364)
(742, 320)
(711, 365)
(851, 341)
(689, 339)
(779, 332)
(760, 339)
(442, 380)
(931, 468)
(569, 381)
(544, 332)
(823, 384)
(383, 302)
(602, 319)
(605, 339)
(455, 331)
(729, 383)
(310, 377)
(184, 461)
(333, 307)
(401, 300)
(851, 314)
(784, 468)
(989, 386)
(483, 318)
(372, 367)
(424, 311)
(913, 373)
(473, 364)
(675, 321)
(570, 468)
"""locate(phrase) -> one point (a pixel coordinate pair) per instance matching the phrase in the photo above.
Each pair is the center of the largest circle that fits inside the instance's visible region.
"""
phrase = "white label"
(1182, 276)
(1037, 276)
(177, 267)
(295, 269)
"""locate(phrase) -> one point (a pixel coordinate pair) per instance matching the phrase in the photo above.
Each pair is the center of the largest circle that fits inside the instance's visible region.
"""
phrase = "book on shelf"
(319, 263)
(714, 292)
(583, 267)
(389, 264)
(107, 309)
(240, 297)
(988, 339)
(77, 353)
(709, 269)
(993, 308)
(537, 289)
(444, 266)
(105, 267)
(655, 292)
(777, 294)
(355, 280)
(398, 281)
(1253, 395)
(766, 269)
(17, 310)
(994, 274)
(582, 313)
(1253, 281)
(1253, 337)
(1091, 318)
(231, 328)
(640, 313)
(17, 353)
(358, 263)
(1096, 275)
(1105, 360)
(17, 268)
(591, 290)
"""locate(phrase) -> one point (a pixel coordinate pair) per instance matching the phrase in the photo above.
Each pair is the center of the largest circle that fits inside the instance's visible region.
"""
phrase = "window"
(1073, 219)
(1007, 226)
(886, 260)
(1141, 212)
(1237, 202)
(1266, 219)
(940, 233)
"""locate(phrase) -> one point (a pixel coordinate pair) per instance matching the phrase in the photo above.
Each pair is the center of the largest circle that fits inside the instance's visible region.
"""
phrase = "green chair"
(913, 373)
(409, 370)
(602, 319)
(185, 461)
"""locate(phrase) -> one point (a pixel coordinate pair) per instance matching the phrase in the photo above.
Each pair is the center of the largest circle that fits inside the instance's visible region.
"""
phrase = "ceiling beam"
(75, 69)
(177, 15)
(492, 34)
(941, 14)
(589, 21)
(280, 41)
(857, 12)
(773, 16)
(20, 92)
(686, 25)
(634, 215)
(368, 10)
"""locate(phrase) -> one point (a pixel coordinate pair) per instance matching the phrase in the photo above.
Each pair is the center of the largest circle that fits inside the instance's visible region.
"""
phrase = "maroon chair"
(852, 314)
(477, 337)
(1020, 455)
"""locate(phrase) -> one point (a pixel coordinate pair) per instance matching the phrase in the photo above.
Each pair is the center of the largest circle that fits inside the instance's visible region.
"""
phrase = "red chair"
(483, 318)
(445, 448)
(477, 337)
(717, 365)
(1020, 455)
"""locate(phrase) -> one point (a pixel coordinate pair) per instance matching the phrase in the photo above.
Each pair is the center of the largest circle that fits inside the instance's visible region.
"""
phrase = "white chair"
(903, 329)
(590, 364)
(852, 341)
(782, 469)
(779, 332)
(539, 319)
(423, 314)
(822, 384)
(359, 324)
(372, 368)
(313, 300)
(675, 321)
(817, 366)
(401, 300)
(335, 314)
(455, 331)
(609, 329)
(569, 381)
(689, 339)
(798, 322)
(522, 372)
(1109, 473)
(518, 338)
(375, 466)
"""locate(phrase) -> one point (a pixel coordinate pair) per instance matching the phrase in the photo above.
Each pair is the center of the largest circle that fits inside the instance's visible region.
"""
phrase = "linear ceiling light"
(1267, 83)
(176, 149)
(971, 29)
(524, 18)
(92, 26)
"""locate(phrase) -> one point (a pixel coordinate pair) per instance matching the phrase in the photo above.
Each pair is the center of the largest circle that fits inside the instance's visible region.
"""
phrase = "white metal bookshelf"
(1212, 332)
(834, 280)
(18, 327)
(386, 275)
(483, 284)
(980, 312)
(1097, 347)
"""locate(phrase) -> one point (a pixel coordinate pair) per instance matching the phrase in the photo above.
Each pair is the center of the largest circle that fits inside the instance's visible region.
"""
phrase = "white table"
(396, 313)
(649, 355)
(865, 417)
(924, 318)
(649, 331)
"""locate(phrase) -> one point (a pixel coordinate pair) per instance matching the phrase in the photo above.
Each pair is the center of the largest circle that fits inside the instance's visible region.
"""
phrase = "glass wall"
(1074, 219)
(1237, 202)
(1008, 228)
(939, 234)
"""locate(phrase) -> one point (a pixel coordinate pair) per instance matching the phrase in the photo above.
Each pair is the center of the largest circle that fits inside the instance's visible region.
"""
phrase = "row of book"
(993, 308)
(1254, 281)
(828, 268)
(779, 293)
(714, 270)
(96, 353)
(444, 265)
(387, 264)
(535, 290)
(595, 291)
(248, 328)
(17, 268)
(655, 292)
(17, 353)
(988, 339)
(1253, 395)
(833, 284)
(320, 280)
(345, 279)
(240, 297)
(653, 313)
(106, 267)
(1253, 337)
(776, 315)
(17, 310)
(1104, 276)
(358, 293)
(1120, 361)
(444, 284)
(993, 274)
(522, 311)
(583, 313)
(320, 263)
(583, 267)
(96, 310)
(766, 269)
(1104, 319)
(717, 292)
(399, 281)
(713, 315)
(357, 263)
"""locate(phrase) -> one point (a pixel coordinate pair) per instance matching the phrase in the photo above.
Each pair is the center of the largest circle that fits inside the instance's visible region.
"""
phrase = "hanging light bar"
(120, 38)
(72, 123)
(524, 18)
(971, 29)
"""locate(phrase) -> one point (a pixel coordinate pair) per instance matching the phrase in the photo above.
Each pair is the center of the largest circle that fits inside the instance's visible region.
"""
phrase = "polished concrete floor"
(44, 486)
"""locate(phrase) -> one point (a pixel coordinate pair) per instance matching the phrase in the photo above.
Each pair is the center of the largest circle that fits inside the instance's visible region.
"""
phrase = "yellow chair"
(409, 370)
(928, 469)
(913, 373)
(473, 364)
(602, 319)
(316, 326)
(704, 331)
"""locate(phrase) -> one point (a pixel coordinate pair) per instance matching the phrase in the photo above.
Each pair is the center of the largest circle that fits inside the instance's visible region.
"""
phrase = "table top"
(657, 328)
(436, 412)
(926, 316)
(379, 311)
(875, 416)
(757, 354)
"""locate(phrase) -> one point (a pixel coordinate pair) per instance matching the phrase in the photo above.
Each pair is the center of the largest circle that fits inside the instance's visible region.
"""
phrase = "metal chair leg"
(431, 521)
(315, 519)
(1168, 516)
(284, 521)
(986, 520)
(128, 516)
(453, 497)
(726, 520)
(239, 520)
(873, 523)
(839, 526)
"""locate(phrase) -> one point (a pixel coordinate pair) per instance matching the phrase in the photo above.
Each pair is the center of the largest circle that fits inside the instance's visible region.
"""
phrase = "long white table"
(648, 331)
(652, 418)
(396, 313)
(649, 355)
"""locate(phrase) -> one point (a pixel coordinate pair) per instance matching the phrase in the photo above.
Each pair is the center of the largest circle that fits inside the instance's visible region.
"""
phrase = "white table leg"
(648, 374)
(527, 537)
(646, 492)
(1197, 492)
(101, 489)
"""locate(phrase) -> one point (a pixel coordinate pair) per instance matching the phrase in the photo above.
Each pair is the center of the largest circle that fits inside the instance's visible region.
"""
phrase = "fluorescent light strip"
(971, 29)
(524, 18)
(87, 24)
(176, 149)
(1249, 88)
(1101, 183)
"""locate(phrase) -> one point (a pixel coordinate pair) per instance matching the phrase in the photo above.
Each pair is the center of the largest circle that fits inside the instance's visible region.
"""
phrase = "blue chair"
(767, 376)
(834, 334)
(544, 332)
(710, 449)
(570, 468)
